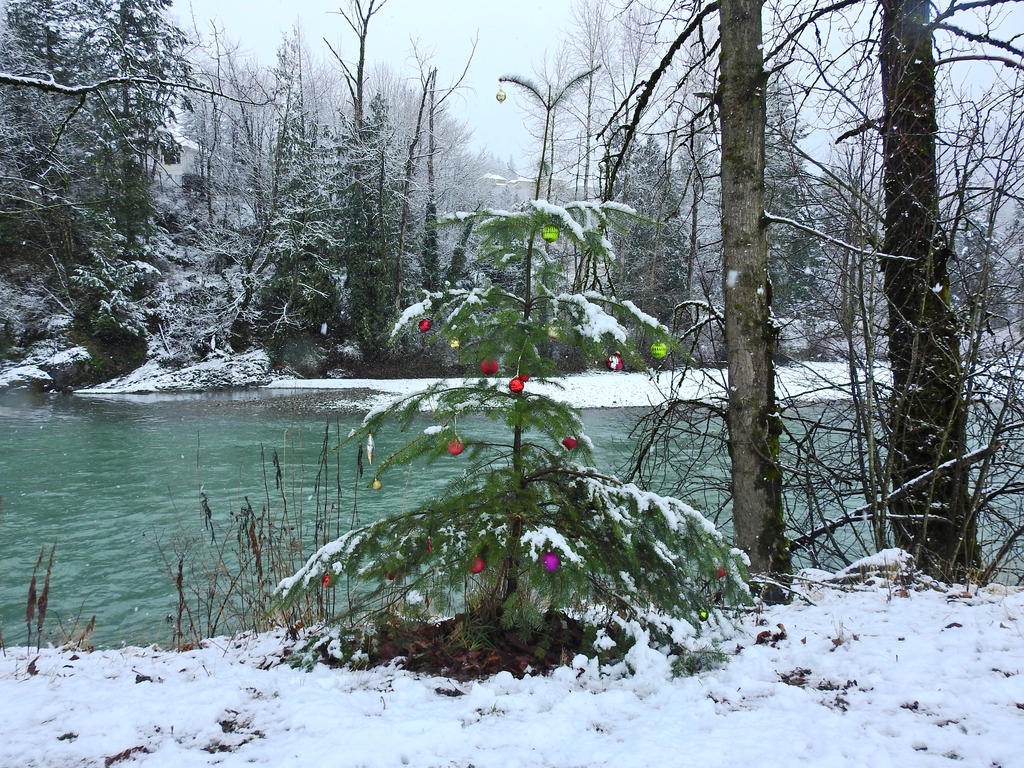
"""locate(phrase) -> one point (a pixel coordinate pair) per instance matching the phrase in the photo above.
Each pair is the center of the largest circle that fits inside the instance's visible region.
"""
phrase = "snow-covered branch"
(52, 86)
(773, 219)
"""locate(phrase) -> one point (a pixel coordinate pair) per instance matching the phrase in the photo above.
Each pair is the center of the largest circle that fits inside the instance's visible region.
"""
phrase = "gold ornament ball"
(500, 95)
(454, 344)
(376, 484)
(659, 349)
(549, 232)
(553, 332)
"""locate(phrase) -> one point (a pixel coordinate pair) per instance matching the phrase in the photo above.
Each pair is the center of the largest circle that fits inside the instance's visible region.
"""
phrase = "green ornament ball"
(549, 232)
(703, 614)
(659, 349)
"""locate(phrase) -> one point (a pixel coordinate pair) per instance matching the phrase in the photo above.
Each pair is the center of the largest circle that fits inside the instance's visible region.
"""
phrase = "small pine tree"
(530, 530)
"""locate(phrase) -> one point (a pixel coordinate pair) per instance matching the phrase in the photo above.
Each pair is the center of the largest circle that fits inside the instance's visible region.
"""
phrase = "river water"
(116, 482)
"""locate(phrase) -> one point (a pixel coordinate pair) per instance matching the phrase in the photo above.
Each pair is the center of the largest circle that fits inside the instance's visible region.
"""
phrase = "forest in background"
(265, 207)
(198, 204)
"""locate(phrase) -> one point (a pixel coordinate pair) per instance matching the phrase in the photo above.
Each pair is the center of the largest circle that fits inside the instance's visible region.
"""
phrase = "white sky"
(513, 38)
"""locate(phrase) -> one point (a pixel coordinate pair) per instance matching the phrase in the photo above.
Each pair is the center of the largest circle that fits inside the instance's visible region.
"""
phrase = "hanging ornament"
(659, 349)
(430, 546)
(500, 95)
(369, 447)
(424, 325)
(376, 484)
(456, 446)
(454, 344)
(478, 565)
(570, 443)
(516, 385)
(523, 377)
(489, 367)
(549, 232)
(329, 580)
(550, 562)
(721, 572)
(703, 614)
(553, 332)
(389, 575)
(614, 362)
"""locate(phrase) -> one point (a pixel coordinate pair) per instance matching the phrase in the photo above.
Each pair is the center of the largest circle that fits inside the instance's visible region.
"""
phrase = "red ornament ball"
(516, 385)
(489, 367)
(456, 446)
(523, 377)
(721, 572)
(478, 565)
(614, 362)
(570, 443)
(389, 575)
(328, 580)
(550, 561)
(424, 325)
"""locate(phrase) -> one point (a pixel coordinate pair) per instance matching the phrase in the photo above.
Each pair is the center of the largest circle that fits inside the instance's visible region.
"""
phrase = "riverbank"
(592, 389)
(882, 672)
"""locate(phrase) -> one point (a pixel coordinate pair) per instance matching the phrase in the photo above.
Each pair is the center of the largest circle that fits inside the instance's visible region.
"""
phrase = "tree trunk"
(753, 420)
(927, 419)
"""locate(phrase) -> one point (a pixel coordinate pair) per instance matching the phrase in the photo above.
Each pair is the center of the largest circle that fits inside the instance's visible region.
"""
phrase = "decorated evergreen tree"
(530, 536)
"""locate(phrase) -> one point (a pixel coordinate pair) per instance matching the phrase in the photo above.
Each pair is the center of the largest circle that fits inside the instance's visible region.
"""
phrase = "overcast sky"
(513, 37)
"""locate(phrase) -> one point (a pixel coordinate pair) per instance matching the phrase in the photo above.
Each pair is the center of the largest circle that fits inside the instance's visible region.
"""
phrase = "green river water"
(113, 481)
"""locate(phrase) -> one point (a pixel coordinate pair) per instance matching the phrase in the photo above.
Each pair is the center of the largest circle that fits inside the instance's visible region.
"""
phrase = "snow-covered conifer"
(531, 533)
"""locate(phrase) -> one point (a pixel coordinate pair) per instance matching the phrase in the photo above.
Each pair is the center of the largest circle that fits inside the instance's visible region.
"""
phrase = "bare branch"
(651, 85)
(866, 511)
(983, 39)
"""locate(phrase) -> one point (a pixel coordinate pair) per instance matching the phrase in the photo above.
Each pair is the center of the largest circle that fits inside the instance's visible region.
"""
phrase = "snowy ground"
(868, 676)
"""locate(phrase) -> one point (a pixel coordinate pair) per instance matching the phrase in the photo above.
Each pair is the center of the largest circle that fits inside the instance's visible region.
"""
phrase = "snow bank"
(872, 675)
(597, 389)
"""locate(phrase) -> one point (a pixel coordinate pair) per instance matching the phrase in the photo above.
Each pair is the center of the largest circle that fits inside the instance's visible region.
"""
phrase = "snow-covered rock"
(67, 367)
(25, 377)
(47, 367)
(249, 369)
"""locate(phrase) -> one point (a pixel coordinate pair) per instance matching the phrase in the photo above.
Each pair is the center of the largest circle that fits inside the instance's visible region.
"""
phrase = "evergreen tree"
(794, 256)
(530, 531)
(302, 295)
(369, 213)
(137, 39)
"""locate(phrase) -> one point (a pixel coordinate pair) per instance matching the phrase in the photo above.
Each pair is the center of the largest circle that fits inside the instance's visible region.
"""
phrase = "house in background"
(178, 158)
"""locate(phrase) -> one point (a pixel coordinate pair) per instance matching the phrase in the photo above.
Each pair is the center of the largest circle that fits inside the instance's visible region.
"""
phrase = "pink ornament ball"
(550, 562)
(456, 446)
(721, 572)
(569, 443)
(478, 565)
